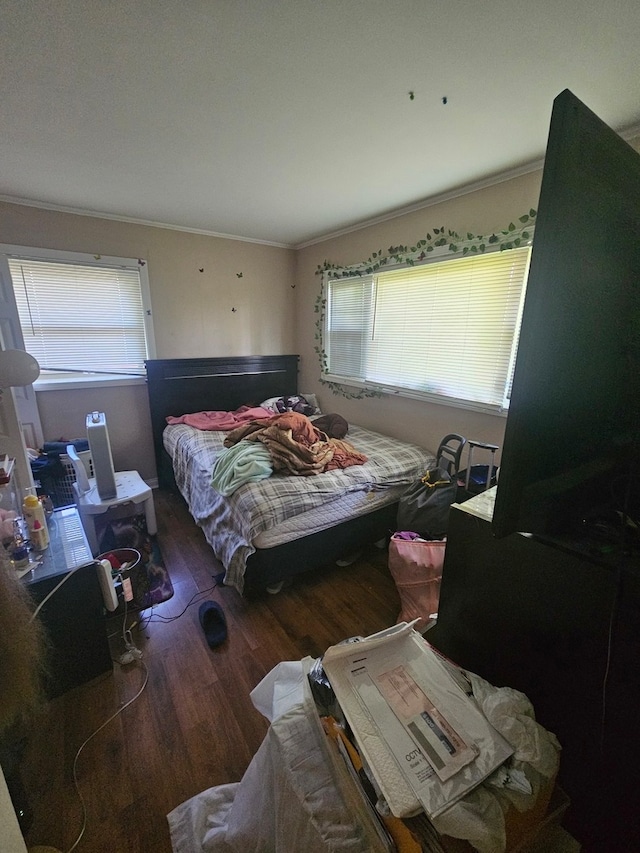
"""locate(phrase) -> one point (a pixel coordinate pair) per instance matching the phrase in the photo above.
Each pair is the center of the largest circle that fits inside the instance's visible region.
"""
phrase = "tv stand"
(561, 624)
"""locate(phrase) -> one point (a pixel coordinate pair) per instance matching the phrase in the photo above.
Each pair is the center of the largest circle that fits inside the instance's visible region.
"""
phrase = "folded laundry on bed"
(302, 430)
(245, 462)
(344, 455)
(292, 456)
(297, 446)
(221, 420)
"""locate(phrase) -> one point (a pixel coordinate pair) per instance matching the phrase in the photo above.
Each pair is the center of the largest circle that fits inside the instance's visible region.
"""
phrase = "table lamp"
(17, 367)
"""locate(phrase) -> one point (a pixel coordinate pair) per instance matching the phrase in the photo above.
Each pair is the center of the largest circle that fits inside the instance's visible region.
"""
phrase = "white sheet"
(292, 798)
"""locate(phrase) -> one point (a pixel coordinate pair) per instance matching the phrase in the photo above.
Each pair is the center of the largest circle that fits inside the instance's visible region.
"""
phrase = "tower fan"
(103, 470)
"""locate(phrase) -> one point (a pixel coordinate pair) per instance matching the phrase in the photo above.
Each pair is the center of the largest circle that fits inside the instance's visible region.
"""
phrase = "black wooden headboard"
(180, 386)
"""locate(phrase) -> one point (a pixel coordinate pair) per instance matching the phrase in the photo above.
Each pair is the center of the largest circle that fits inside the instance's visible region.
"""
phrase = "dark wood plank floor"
(193, 726)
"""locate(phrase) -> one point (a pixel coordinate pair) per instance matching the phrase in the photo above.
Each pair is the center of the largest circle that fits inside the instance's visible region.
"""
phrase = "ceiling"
(283, 121)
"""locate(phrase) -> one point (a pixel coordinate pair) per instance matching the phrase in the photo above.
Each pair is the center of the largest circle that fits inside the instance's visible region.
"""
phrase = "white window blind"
(447, 328)
(81, 317)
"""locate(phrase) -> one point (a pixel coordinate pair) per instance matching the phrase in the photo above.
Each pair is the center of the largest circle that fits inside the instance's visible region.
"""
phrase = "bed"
(267, 532)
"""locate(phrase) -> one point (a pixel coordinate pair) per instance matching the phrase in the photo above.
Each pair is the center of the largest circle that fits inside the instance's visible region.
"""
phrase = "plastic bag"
(321, 689)
(416, 568)
(281, 689)
(424, 507)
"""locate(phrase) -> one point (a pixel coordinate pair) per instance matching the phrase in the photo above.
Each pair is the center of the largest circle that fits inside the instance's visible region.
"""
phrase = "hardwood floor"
(193, 725)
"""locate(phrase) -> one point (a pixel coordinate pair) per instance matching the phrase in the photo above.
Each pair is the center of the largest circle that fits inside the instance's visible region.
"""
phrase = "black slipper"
(214, 623)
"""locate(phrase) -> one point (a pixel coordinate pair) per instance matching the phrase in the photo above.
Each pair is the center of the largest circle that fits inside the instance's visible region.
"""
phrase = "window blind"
(80, 317)
(446, 328)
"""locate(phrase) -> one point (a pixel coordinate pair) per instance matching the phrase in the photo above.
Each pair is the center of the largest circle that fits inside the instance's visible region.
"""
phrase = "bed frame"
(182, 386)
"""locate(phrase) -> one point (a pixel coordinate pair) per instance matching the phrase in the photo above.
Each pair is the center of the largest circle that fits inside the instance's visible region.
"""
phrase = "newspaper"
(425, 740)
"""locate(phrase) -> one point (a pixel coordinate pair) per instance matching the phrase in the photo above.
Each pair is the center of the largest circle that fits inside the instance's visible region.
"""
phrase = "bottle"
(33, 512)
(38, 536)
(19, 550)
(47, 505)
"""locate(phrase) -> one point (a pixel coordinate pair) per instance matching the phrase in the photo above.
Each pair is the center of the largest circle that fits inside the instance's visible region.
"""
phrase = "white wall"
(192, 311)
(274, 301)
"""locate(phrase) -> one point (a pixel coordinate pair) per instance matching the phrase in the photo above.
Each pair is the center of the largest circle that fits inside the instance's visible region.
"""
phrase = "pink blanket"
(222, 420)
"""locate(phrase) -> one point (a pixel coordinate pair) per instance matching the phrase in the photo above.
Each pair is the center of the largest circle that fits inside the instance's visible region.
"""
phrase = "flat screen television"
(570, 457)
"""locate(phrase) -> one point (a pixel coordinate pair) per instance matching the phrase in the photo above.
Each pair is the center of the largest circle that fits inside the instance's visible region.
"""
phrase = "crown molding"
(430, 201)
(628, 134)
(457, 192)
(96, 214)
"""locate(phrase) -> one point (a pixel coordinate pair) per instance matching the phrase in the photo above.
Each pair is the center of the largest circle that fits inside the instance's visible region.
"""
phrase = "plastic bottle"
(33, 512)
(38, 536)
(19, 549)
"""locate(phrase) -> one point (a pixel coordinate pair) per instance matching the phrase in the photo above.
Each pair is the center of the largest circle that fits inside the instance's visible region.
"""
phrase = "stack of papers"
(424, 739)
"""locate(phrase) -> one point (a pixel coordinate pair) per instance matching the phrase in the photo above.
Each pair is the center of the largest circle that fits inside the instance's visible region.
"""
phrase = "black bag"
(424, 507)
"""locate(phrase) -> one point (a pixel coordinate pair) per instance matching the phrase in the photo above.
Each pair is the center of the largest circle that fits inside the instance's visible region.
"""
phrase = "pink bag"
(416, 567)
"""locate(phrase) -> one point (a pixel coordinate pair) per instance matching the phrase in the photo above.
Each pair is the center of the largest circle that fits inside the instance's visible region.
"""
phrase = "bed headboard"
(180, 386)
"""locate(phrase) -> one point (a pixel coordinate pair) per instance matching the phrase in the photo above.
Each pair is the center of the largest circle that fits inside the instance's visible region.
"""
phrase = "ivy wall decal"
(511, 237)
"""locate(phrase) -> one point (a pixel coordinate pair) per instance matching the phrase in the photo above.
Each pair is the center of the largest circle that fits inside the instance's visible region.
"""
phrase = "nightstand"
(74, 615)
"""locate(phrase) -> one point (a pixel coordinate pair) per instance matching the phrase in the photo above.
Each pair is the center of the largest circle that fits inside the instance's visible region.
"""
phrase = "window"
(445, 330)
(81, 314)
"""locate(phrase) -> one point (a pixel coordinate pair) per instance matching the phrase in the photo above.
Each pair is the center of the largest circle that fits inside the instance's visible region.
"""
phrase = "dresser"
(74, 615)
(559, 621)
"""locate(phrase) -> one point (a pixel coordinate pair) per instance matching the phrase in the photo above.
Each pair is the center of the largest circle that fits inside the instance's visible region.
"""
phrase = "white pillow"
(286, 404)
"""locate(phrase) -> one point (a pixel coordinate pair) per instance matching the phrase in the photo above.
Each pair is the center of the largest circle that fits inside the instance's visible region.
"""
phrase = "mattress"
(285, 507)
(351, 505)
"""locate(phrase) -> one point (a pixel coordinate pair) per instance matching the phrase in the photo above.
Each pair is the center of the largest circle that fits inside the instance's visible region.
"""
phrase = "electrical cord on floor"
(131, 654)
(131, 627)
(132, 651)
(157, 617)
(91, 736)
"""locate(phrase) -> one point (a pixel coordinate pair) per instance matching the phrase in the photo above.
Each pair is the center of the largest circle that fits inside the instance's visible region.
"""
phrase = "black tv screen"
(572, 433)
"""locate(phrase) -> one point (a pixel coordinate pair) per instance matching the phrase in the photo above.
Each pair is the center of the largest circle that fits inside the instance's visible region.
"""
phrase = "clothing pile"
(289, 443)
(296, 445)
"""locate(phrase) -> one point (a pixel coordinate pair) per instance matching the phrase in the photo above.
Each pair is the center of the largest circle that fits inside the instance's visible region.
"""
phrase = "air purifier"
(100, 448)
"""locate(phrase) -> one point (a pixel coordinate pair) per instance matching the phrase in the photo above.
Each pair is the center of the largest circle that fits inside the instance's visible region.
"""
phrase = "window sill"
(424, 396)
(85, 381)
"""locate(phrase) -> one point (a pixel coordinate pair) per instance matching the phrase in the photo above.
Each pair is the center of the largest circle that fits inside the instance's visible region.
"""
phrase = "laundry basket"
(416, 568)
(62, 487)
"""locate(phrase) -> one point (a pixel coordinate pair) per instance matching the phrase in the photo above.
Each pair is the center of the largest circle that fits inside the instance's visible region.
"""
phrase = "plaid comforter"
(231, 523)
